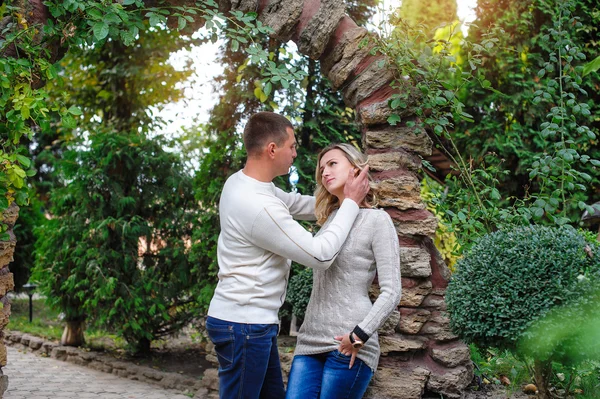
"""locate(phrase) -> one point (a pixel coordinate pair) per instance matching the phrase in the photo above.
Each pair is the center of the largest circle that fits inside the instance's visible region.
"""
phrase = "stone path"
(35, 377)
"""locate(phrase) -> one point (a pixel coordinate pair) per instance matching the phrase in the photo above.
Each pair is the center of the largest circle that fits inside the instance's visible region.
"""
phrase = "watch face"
(357, 345)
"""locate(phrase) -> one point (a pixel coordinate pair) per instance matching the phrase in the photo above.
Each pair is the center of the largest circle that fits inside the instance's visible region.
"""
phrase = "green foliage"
(88, 24)
(24, 257)
(115, 250)
(532, 146)
(509, 279)
(299, 289)
(491, 364)
(431, 15)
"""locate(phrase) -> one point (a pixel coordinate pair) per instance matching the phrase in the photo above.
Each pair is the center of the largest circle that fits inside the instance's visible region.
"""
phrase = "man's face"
(285, 155)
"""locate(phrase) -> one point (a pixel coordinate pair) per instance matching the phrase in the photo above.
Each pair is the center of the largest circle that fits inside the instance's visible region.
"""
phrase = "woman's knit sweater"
(340, 295)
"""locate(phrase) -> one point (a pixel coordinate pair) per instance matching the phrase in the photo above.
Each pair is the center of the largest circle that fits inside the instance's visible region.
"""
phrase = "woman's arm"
(386, 251)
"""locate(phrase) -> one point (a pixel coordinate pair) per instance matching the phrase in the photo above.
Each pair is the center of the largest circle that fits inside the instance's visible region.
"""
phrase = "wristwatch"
(356, 343)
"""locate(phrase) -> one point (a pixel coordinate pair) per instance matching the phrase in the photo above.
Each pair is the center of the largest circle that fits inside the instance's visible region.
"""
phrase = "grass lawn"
(45, 323)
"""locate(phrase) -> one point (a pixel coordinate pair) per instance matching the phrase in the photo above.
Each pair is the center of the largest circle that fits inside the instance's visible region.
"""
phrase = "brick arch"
(419, 352)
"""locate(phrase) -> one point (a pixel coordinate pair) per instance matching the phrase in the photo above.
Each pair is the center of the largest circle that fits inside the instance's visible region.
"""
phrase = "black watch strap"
(364, 337)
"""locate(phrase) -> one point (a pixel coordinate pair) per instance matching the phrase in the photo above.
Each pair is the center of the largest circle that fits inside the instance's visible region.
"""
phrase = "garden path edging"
(106, 363)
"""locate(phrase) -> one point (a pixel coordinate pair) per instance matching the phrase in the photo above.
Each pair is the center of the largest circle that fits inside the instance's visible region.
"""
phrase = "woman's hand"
(346, 348)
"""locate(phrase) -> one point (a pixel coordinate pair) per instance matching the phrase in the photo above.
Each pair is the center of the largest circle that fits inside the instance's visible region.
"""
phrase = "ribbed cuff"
(364, 337)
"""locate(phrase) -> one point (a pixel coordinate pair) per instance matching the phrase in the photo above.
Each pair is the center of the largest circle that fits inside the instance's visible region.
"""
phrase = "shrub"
(509, 279)
(525, 289)
(299, 290)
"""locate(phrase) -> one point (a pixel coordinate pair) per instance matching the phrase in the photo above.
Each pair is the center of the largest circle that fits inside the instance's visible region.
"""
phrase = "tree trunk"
(542, 370)
(73, 334)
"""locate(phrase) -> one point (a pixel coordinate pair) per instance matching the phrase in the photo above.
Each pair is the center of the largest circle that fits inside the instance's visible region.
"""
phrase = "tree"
(115, 252)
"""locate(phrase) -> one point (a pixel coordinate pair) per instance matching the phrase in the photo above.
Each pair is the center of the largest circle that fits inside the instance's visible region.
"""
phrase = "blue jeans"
(327, 376)
(248, 359)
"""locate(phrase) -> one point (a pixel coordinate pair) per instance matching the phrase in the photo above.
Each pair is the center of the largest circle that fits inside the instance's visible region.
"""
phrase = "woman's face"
(334, 168)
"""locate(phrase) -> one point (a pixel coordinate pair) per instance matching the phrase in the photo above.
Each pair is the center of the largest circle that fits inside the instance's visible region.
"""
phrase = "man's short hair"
(263, 128)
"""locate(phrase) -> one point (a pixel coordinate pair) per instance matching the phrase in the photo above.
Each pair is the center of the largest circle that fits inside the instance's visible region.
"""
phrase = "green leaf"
(73, 110)
(100, 30)
(394, 119)
(24, 161)
(591, 66)
(181, 23)
(235, 45)
(128, 2)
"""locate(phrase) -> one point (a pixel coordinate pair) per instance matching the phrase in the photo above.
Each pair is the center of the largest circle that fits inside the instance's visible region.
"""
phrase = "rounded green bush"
(510, 279)
(299, 289)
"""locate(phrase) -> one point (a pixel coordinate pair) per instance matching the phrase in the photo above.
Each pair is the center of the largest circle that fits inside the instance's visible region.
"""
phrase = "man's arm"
(302, 207)
(276, 231)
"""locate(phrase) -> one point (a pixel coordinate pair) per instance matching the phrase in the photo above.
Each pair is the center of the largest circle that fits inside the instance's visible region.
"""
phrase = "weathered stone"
(47, 347)
(390, 325)
(414, 291)
(408, 138)
(402, 192)
(282, 16)
(10, 215)
(452, 383)
(451, 355)
(367, 82)
(400, 343)
(3, 383)
(59, 352)
(412, 320)
(244, 5)
(394, 160)
(415, 262)
(398, 383)
(438, 327)
(377, 112)
(2, 355)
(210, 379)
(352, 48)
(414, 222)
(25, 339)
(435, 302)
(14, 336)
(7, 250)
(4, 316)
(153, 375)
(100, 366)
(35, 343)
(315, 33)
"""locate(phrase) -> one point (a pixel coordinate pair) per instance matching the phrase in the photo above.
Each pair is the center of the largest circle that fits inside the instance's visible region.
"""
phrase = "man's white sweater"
(258, 238)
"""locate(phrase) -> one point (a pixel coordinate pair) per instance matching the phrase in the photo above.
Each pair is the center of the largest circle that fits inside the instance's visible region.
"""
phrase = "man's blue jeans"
(327, 376)
(248, 359)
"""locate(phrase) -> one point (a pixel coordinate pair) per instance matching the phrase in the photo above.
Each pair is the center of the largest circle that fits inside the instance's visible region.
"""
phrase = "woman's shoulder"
(375, 213)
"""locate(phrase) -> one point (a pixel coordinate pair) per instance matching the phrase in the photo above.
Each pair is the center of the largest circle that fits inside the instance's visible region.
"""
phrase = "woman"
(337, 350)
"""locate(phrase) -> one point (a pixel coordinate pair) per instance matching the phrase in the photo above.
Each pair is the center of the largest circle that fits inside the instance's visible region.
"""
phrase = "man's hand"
(357, 187)
(346, 348)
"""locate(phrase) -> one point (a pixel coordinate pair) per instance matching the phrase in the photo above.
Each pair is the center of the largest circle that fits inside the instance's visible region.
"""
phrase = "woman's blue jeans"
(249, 365)
(327, 376)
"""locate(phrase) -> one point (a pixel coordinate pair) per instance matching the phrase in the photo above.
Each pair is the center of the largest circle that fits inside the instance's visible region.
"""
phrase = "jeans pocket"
(259, 330)
(224, 341)
(340, 356)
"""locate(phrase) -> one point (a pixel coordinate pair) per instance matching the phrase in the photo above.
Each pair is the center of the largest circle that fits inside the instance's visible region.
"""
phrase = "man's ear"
(271, 150)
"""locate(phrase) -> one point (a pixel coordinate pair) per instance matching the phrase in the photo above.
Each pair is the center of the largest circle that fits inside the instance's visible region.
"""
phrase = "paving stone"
(35, 377)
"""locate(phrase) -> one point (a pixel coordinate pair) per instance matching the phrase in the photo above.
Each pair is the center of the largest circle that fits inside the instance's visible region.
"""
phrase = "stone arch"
(419, 352)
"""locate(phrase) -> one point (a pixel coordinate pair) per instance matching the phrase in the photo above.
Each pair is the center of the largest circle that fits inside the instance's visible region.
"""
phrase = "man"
(258, 239)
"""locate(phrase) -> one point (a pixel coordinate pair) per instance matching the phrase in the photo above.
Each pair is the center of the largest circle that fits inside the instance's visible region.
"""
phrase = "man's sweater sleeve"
(302, 207)
(275, 230)
(386, 250)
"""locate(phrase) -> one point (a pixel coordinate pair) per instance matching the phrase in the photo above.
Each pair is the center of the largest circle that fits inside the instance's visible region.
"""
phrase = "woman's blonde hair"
(326, 202)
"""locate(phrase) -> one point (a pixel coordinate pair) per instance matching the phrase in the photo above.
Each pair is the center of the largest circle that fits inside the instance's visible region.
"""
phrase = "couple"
(337, 349)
